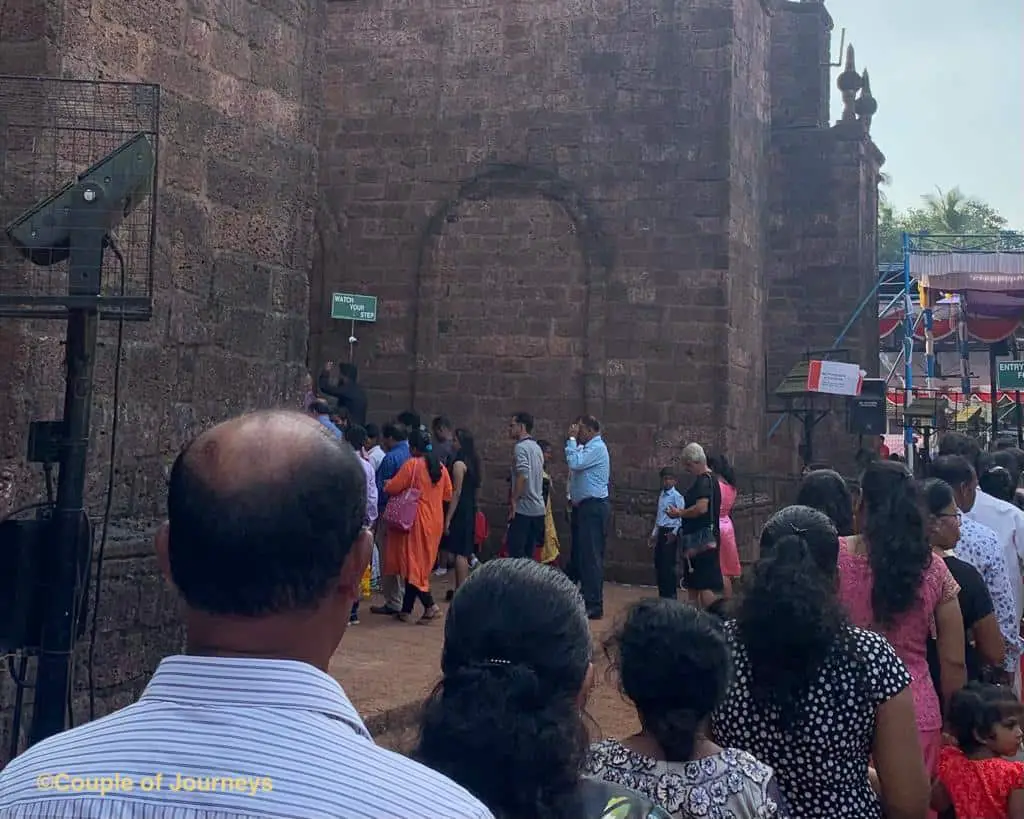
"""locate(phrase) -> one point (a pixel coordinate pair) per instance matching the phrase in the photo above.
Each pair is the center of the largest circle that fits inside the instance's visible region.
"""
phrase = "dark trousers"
(525, 534)
(589, 529)
(411, 596)
(665, 552)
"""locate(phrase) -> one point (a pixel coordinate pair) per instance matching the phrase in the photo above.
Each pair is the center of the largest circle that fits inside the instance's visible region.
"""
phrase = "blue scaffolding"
(895, 286)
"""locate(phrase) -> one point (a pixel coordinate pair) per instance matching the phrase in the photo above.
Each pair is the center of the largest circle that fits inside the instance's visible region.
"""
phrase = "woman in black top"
(460, 519)
(699, 535)
(983, 644)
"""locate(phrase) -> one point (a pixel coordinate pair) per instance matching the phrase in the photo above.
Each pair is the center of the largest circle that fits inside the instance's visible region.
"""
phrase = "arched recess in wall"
(510, 295)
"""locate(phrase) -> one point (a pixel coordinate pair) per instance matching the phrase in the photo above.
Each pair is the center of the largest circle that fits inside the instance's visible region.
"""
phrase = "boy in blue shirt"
(665, 535)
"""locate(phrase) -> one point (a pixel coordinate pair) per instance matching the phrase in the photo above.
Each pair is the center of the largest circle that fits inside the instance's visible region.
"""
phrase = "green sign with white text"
(353, 307)
(1010, 375)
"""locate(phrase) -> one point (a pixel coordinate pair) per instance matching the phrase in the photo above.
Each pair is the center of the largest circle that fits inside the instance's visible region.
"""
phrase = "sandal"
(402, 617)
(430, 615)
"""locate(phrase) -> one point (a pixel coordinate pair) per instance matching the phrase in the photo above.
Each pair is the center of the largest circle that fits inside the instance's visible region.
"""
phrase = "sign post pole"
(353, 307)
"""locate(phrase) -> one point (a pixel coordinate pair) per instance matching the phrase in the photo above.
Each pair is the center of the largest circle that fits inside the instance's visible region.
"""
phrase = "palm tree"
(948, 212)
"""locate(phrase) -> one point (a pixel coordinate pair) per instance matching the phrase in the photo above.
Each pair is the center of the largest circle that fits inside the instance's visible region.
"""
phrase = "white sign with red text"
(834, 377)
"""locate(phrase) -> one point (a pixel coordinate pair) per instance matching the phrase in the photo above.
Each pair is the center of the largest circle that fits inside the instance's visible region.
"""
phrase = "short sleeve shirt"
(975, 604)
(821, 763)
(705, 487)
(529, 462)
(979, 787)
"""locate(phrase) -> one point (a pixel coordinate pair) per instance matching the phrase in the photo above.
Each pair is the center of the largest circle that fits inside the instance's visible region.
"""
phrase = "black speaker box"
(866, 412)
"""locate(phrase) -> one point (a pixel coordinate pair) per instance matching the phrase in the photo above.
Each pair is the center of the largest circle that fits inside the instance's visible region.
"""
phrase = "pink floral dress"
(909, 636)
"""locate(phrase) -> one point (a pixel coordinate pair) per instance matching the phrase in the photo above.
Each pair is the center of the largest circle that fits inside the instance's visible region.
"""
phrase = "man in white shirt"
(266, 545)
(1005, 519)
(980, 546)
(374, 452)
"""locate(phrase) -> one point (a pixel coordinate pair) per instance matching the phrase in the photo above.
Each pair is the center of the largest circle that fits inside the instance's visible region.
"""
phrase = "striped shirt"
(228, 738)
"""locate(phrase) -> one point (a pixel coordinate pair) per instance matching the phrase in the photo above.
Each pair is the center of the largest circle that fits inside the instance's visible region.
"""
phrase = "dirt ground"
(387, 668)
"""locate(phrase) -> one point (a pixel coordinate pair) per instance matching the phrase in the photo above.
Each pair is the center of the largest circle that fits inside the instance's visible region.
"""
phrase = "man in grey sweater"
(526, 500)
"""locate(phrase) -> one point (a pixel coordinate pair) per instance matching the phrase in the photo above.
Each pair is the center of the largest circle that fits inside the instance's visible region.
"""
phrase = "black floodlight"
(97, 202)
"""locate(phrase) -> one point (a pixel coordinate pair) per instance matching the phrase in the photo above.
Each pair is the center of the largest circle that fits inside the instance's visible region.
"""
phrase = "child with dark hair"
(665, 535)
(976, 779)
(673, 665)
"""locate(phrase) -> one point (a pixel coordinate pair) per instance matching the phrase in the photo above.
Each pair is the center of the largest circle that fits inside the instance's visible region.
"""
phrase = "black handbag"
(695, 543)
(704, 539)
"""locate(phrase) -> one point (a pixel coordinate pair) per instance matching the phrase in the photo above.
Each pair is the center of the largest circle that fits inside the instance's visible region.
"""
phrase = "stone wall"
(748, 198)
(823, 199)
(240, 120)
(560, 212)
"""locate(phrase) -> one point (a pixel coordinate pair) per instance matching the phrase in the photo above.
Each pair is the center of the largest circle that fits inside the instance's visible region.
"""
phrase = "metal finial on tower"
(866, 105)
(849, 83)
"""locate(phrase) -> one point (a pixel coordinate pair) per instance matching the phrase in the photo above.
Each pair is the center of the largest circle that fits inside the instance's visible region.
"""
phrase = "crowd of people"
(423, 497)
(861, 668)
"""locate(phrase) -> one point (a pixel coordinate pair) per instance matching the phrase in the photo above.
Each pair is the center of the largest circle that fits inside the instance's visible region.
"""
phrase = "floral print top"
(599, 799)
(728, 785)
(979, 546)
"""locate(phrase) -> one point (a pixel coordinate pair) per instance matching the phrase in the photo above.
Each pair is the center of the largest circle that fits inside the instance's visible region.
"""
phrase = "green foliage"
(943, 212)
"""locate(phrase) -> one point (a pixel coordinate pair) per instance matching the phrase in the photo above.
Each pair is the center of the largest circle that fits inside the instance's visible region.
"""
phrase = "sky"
(949, 80)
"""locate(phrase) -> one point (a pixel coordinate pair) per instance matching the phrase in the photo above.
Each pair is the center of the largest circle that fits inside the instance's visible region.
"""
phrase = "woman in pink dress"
(891, 582)
(728, 552)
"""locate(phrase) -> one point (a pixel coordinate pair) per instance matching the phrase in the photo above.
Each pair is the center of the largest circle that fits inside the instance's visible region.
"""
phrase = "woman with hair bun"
(812, 696)
(506, 721)
(673, 665)
(891, 582)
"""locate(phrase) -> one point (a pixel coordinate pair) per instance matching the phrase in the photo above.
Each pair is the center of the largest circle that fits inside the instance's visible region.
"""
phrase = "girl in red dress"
(975, 779)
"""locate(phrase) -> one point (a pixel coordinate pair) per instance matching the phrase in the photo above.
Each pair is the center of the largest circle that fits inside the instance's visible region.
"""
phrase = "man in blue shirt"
(322, 412)
(665, 536)
(395, 440)
(589, 471)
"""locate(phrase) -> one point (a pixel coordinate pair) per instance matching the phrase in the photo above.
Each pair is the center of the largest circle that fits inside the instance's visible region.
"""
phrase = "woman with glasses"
(984, 645)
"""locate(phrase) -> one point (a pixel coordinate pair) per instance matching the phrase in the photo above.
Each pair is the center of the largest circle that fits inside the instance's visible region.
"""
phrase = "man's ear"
(355, 564)
(163, 556)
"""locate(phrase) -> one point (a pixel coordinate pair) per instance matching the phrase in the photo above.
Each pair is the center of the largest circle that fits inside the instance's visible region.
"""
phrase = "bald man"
(266, 545)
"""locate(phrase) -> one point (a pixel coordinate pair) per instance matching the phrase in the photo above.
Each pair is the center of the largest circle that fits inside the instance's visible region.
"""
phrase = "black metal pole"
(87, 224)
(1015, 352)
(993, 380)
(53, 676)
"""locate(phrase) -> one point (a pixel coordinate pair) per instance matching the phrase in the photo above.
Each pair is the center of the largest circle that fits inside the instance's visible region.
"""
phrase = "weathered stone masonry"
(609, 207)
(241, 104)
(601, 211)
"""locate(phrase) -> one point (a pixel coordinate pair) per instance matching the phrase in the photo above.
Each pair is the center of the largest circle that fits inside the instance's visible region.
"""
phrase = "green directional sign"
(1010, 375)
(353, 307)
